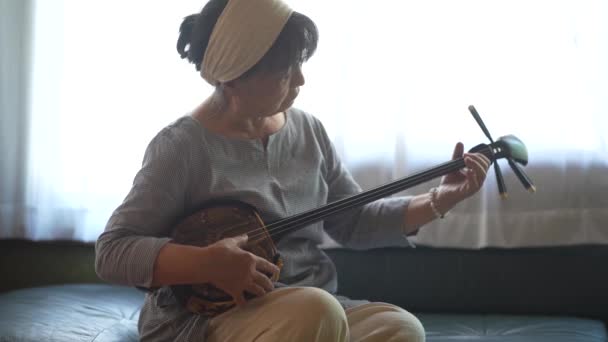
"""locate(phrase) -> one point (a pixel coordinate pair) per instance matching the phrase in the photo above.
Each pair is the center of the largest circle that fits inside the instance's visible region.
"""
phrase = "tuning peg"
(521, 175)
(477, 118)
(502, 188)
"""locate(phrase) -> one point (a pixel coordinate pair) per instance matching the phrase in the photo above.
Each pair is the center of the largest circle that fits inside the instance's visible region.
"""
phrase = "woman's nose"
(298, 77)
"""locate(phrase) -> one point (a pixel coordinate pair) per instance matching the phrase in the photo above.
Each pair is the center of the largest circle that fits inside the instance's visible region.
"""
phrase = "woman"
(246, 142)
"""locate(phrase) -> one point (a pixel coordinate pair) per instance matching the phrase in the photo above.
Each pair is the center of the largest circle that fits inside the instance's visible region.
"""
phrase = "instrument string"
(287, 224)
(282, 227)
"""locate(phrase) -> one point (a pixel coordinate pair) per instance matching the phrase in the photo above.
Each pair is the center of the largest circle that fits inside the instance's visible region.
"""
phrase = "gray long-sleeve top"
(186, 164)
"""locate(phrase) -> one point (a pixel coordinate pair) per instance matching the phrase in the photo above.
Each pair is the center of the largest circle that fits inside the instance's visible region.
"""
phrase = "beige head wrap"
(243, 34)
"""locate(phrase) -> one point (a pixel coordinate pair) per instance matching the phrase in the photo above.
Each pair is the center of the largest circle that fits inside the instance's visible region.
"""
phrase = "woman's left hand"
(461, 184)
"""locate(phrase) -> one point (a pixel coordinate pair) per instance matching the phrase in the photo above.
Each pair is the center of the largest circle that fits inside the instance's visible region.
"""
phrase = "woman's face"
(268, 93)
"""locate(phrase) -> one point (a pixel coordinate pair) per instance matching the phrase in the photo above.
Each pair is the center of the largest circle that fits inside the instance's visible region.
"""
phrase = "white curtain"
(391, 80)
(14, 52)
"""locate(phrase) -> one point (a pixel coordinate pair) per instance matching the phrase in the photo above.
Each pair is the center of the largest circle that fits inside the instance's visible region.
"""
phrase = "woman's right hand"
(235, 270)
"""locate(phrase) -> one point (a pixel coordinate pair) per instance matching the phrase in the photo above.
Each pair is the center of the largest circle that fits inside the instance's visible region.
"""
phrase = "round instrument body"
(213, 222)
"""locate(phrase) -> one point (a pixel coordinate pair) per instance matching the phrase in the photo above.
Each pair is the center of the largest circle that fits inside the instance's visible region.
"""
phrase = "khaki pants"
(309, 314)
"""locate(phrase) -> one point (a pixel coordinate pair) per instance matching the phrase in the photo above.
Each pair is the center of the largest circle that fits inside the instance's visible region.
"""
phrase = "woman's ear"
(230, 95)
(227, 89)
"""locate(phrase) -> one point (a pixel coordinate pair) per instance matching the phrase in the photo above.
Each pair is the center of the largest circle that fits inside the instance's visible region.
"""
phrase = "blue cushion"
(70, 313)
(107, 313)
(511, 328)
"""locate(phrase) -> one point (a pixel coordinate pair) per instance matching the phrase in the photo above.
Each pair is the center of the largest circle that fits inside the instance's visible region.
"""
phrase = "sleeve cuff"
(143, 257)
(386, 219)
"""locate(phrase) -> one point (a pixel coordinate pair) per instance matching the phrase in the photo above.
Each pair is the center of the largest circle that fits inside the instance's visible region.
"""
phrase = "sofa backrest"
(546, 280)
(569, 280)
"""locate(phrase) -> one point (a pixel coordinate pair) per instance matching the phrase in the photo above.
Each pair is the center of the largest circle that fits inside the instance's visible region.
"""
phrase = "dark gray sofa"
(49, 292)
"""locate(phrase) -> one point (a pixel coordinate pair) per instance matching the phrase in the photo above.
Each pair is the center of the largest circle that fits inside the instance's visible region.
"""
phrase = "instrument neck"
(304, 219)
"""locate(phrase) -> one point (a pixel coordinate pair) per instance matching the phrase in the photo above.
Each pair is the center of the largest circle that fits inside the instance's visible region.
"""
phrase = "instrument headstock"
(508, 147)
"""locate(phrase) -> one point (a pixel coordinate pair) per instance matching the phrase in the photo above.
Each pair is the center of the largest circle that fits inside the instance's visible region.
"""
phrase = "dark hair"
(295, 44)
